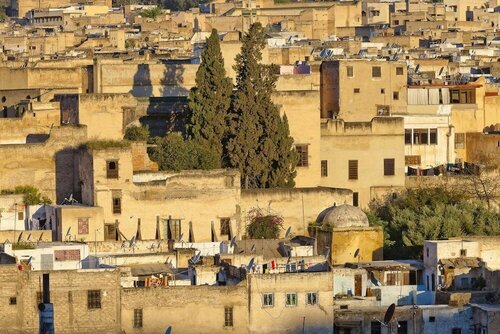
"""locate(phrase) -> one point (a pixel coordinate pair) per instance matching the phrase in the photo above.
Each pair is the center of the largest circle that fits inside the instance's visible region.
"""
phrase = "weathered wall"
(178, 305)
(318, 318)
(369, 241)
(339, 97)
(39, 121)
(369, 144)
(298, 206)
(103, 114)
(38, 235)
(42, 164)
(146, 79)
(302, 111)
(68, 293)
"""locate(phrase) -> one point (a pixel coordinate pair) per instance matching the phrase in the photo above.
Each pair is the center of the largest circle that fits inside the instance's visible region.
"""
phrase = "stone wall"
(298, 206)
(43, 165)
(32, 126)
(68, 293)
(177, 304)
(38, 235)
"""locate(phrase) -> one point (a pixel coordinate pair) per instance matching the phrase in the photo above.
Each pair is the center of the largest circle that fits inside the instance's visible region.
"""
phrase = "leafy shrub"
(137, 133)
(263, 225)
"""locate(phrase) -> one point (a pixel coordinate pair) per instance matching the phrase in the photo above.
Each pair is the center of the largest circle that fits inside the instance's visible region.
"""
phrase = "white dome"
(343, 216)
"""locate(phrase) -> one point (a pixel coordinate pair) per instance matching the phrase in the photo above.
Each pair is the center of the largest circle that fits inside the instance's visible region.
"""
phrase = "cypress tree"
(210, 100)
(259, 142)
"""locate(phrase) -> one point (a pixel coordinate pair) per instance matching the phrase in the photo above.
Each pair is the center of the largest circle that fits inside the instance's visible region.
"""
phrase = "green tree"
(151, 12)
(137, 133)
(417, 215)
(210, 100)
(259, 142)
(172, 152)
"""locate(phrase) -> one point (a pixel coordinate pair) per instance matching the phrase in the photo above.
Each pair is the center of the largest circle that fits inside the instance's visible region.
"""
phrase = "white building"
(52, 256)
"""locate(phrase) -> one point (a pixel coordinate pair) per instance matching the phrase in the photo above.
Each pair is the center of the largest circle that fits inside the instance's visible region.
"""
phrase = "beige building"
(367, 157)
(358, 90)
(343, 234)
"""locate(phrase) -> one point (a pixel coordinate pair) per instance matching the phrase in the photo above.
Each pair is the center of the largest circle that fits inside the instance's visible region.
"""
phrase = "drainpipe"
(449, 143)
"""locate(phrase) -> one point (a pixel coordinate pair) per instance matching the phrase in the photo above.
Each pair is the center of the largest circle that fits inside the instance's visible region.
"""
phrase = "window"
(303, 152)
(462, 96)
(412, 160)
(391, 279)
(83, 225)
(376, 72)
(112, 169)
(420, 136)
(13, 301)
(383, 110)
(138, 318)
(117, 205)
(459, 140)
(395, 96)
(268, 300)
(324, 168)
(432, 319)
(312, 298)
(225, 226)
(376, 327)
(408, 136)
(427, 251)
(433, 136)
(456, 331)
(353, 169)
(174, 229)
(93, 299)
(399, 71)
(350, 71)
(355, 199)
(20, 215)
(463, 252)
(39, 297)
(291, 299)
(388, 167)
(228, 317)
(382, 91)
(356, 90)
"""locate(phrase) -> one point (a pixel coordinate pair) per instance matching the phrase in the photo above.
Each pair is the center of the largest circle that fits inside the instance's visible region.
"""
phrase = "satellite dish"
(233, 242)
(69, 231)
(132, 242)
(20, 237)
(29, 237)
(288, 230)
(169, 330)
(29, 260)
(41, 236)
(250, 264)
(389, 314)
(196, 258)
(356, 253)
(180, 238)
(327, 252)
(253, 248)
(373, 279)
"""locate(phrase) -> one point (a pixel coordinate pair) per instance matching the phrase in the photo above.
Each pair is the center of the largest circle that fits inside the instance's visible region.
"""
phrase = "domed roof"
(343, 216)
